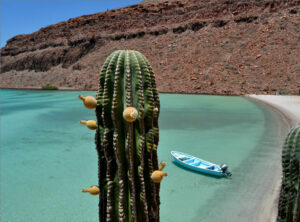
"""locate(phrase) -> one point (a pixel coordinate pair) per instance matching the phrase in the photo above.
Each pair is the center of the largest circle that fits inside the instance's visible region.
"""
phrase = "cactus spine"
(126, 139)
(289, 201)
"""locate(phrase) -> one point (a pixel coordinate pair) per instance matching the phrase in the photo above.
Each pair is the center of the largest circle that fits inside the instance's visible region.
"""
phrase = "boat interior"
(197, 163)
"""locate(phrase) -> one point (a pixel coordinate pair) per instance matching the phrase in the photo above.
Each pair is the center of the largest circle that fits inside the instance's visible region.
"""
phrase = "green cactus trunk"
(127, 152)
(289, 201)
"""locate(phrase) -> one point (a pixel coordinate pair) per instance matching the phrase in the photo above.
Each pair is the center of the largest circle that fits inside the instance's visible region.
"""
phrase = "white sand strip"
(289, 108)
(287, 105)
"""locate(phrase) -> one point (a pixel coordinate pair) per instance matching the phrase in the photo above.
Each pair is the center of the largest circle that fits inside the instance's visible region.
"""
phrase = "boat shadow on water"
(197, 172)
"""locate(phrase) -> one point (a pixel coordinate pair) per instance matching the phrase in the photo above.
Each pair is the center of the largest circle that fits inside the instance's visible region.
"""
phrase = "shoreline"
(73, 89)
(284, 106)
(163, 92)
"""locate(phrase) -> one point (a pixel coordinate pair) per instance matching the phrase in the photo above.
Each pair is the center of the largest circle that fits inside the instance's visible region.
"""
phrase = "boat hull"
(179, 155)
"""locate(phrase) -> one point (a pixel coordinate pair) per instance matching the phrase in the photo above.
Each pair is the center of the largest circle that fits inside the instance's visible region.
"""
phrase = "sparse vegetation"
(284, 91)
(49, 87)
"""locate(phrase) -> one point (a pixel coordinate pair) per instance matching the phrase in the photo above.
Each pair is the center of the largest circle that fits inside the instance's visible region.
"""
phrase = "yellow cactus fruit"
(130, 114)
(89, 101)
(157, 176)
(91, 124)
(94, 190)
(162, 165)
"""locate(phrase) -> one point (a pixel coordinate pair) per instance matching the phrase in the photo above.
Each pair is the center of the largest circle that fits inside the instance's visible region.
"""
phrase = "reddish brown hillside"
(208, 46)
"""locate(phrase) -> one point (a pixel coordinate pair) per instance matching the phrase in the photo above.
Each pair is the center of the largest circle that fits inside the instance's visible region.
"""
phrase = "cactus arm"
(288, 208)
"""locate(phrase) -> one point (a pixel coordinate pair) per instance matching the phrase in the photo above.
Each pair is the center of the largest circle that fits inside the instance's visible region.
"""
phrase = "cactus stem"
(126, 139)
(288, 207)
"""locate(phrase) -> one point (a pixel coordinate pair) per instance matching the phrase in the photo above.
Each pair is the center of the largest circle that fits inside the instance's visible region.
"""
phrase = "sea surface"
(47, 157)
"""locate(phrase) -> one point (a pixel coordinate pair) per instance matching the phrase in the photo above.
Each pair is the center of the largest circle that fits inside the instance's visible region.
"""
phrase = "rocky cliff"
(227, 47)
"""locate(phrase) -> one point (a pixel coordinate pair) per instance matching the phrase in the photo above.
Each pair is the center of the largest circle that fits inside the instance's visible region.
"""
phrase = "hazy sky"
(23, 16)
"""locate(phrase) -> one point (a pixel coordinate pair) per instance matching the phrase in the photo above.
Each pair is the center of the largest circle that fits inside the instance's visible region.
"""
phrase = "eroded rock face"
(211, 47)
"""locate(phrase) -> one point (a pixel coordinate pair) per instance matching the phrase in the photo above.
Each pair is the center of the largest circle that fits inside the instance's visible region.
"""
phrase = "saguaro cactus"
(289, 202)
(126, 139)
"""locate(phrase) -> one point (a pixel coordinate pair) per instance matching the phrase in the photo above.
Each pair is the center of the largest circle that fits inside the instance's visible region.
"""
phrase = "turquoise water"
(47, 157)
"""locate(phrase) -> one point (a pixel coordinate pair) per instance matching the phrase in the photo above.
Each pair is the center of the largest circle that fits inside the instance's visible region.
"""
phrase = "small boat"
(200, 165)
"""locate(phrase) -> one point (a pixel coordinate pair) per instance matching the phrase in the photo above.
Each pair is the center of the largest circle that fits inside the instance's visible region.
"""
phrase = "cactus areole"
(126, 139)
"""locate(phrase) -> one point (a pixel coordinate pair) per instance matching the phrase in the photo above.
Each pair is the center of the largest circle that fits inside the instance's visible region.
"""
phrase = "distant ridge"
(200, 46)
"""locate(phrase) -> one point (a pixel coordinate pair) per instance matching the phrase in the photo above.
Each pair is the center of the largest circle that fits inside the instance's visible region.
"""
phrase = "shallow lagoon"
(47, 157)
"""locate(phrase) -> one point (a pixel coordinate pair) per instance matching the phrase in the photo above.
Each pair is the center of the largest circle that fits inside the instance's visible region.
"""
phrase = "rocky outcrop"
(209, 46)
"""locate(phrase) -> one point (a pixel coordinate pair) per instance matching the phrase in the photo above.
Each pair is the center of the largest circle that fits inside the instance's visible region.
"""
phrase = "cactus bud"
(130, 114)
(162, 165)
(157, 176)
(89, 101)
(91, 124)
(94, 190)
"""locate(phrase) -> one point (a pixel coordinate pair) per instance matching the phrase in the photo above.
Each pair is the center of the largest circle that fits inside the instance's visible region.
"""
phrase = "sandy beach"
(289, 108)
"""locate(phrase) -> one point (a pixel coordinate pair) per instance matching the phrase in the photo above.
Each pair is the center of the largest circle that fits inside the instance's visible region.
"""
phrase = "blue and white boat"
(200, 165)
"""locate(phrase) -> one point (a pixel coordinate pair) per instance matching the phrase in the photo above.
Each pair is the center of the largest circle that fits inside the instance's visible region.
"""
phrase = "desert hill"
(228, 47)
